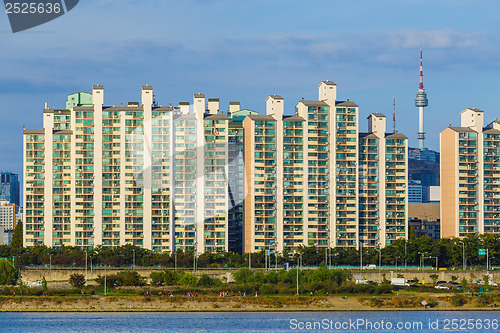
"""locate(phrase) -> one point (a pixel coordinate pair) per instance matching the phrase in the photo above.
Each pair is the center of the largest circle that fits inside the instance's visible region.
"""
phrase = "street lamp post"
(327, 249)
(406, 255)
(194, 257)
(105, 282)
(276, 255)
(487, 259)
(361, 255)
(298, 266)
(175, 255)
(490, 261)
(265, 257)
(86, 255)
(249, 258)
(464, 261)
(379, 262)
(422, 265)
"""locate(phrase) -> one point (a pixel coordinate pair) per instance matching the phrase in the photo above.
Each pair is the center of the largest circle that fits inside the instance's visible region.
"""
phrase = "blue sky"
(245, 50)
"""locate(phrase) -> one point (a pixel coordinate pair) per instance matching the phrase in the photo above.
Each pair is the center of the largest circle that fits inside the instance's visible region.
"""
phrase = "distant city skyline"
(246, 51)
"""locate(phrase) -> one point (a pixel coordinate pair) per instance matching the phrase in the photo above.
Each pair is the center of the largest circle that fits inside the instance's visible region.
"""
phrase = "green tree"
(16, 245)
(486, 280)
(7, 273)
(464, 284)
(412, 234)
(77, 280)
(454, 278)
(44, 284)
(434, 277)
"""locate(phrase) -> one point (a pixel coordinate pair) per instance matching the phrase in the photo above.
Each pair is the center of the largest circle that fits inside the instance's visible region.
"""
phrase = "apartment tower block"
(470, 176)
(192, 177)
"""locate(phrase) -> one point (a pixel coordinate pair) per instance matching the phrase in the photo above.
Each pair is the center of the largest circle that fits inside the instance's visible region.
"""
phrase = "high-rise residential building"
(9, 188)
(193, 178)
(470, 174)
(313, 179)
(157, 177)
(7, 215)
(383, 192)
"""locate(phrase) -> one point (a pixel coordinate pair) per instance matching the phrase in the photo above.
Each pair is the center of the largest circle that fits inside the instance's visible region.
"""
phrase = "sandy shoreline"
(209, 304)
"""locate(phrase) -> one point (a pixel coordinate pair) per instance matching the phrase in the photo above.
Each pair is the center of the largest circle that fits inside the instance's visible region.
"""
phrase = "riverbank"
(233, 304)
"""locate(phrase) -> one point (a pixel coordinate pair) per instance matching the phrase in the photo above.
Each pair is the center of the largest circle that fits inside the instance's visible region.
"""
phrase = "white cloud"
(445, 38)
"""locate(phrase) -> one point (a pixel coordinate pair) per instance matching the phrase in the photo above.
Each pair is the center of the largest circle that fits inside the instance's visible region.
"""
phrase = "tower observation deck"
(421, 102)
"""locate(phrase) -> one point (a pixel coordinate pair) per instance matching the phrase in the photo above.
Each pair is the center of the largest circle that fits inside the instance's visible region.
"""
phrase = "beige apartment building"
(7, 215)
(313, 179)
(470, 176)
(192, 177)
(142, 174)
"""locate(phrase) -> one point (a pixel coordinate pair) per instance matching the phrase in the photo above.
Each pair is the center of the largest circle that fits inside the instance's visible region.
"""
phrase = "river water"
(383, 321)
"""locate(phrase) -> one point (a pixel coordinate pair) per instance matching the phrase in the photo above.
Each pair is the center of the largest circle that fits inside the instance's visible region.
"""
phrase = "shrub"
(268, 289)
(77, 280)
(458, 300)
(242, 275)
(482, 301)
(131, 278)
(157, 278)
(400, 302)
(188, 280)
(206, 281)
(112, 280)
(383, 289)
(171, 278)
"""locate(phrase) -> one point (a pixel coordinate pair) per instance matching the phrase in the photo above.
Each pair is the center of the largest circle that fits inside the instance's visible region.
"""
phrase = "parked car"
(493, 284)
(371, 267)
(440, 286)
(441, 282)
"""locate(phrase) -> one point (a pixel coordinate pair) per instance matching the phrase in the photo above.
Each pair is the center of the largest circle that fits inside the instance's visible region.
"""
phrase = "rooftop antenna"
(155, 102)
(394, 115)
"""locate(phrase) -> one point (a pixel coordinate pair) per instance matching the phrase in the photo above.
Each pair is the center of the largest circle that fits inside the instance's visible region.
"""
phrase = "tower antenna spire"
(394, 115)
(421, 79)
(421, 102)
